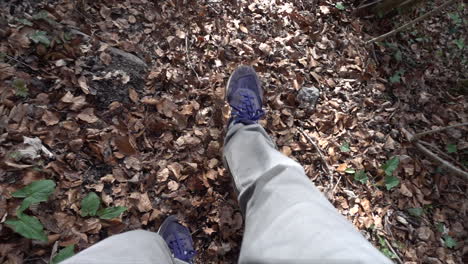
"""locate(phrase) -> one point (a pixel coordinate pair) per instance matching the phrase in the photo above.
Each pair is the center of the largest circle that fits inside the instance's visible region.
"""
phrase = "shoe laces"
(245, 113)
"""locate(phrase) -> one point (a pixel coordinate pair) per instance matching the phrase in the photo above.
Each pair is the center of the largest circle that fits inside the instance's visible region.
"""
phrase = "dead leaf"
(124, 145)
(50, 118)
(88, 116)
(172, 185)
(83, 84)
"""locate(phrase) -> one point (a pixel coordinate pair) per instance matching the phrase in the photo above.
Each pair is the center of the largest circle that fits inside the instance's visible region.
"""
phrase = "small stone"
(308, 97)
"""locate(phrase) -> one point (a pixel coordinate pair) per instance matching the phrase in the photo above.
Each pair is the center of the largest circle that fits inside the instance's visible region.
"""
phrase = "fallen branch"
(433, 156)
(419, 135)
(412, 22)
(322, 157)
(393, 250)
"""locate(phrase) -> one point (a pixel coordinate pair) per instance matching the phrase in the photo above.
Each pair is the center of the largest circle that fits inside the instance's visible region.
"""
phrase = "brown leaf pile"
(153, 143)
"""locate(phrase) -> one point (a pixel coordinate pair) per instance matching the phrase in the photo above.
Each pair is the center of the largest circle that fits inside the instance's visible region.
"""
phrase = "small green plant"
(26, 225)
(361, 176)
(451, 148)
(340, 6)
(20, 88)
(455, 18)
(385, 249)
(63, 254)
(40, 37)
(417, 212)
(396, 77)
(389, 167)
(24, 22)
(90, 207)
(449, 242)
(345, 147)
(460, 43)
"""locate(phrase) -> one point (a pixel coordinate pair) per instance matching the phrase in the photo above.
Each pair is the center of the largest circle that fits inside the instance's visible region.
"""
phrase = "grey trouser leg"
(287, 220)
(134, 247)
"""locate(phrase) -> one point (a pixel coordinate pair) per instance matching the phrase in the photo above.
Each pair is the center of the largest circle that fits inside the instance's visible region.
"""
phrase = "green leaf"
(20, 87)
(350, 171)
(111, 212)
(398, 56)
(451, 148)
(449, 241)
(340, 6)
(361, 176)
(395, 78)
(90, 204)
(40, 37)
(63, 254)
(415, 211)
(391, 181)
(388, 253)
(440, 227)
(28, 226)
(24, 22)
(391, 165)
(41, 15)
(345, 147)
(455, 17)
(36, 192)
(460, 43)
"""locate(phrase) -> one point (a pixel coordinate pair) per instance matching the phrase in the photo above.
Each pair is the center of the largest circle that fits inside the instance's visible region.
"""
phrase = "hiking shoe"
(245, 96)
(178, 238)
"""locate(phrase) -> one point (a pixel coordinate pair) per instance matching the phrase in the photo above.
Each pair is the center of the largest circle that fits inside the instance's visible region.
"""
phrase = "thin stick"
(440, 152)
(188, 58)
(405, 26)
(434, 157)
(419, 135)
(24, 64)
(394, 252)
(322, 157)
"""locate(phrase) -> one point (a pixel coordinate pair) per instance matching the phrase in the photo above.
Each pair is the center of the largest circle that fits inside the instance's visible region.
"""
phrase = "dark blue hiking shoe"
(245, 96)
(178, 238)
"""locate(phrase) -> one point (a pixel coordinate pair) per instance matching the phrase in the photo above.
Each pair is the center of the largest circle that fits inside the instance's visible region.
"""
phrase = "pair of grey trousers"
(287, 220)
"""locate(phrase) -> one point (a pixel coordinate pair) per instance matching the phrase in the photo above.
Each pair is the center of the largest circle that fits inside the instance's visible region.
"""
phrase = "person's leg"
(287, 220)
(172, 244)
(142, 247)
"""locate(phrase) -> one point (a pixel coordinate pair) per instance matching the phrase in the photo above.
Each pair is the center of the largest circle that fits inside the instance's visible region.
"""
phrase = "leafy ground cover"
(119, 143)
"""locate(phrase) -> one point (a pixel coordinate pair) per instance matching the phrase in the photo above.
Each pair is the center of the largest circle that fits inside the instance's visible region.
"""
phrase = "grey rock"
(308, 97)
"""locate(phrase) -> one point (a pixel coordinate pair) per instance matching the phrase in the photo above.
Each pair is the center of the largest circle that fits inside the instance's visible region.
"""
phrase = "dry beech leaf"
(88, 116)
(243, 29)
(50, 118)
(133, 95)
(83, 84)
(124, 145)
(105, 58)
(172, 185)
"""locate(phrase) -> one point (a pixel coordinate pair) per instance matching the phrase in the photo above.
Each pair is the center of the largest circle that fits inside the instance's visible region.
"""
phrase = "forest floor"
(146, 132)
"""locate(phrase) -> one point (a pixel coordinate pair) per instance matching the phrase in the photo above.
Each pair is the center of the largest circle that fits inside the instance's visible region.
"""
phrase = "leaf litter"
(133, 144)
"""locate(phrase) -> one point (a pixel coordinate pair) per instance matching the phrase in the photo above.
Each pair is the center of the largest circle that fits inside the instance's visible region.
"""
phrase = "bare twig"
(25, 64)
(407, 25)
(440, 152)
(419, 135)
(188, 58)
(433, 156)
(394, 252)
(322, 157)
